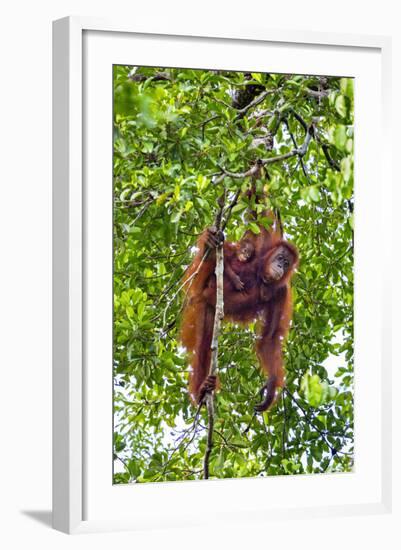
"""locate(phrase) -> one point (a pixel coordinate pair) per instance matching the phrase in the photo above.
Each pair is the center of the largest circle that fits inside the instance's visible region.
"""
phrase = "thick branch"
(318, 94)
(156, 77)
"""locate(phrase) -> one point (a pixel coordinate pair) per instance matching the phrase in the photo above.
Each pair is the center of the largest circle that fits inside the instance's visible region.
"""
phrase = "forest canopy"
(178, 135)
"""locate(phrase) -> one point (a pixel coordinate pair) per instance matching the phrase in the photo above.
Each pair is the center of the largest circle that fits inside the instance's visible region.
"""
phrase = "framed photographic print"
(217, 304)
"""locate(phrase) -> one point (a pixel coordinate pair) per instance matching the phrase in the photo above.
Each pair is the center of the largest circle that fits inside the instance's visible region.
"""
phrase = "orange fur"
(269, 302)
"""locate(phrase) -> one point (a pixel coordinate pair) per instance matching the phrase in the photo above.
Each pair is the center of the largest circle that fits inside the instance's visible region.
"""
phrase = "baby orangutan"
(238, 259)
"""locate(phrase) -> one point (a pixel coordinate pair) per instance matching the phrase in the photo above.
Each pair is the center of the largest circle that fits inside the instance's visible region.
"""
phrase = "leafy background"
(173, 131)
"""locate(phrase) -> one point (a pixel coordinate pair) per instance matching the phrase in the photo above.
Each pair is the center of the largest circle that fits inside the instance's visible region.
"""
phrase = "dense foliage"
(174, 132)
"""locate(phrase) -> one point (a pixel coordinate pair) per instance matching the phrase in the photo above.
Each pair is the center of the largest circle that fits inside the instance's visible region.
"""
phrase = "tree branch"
(218, 317)
(258, 99)
(329, 158)
(297, 151)
(317, 94)
(296, 147)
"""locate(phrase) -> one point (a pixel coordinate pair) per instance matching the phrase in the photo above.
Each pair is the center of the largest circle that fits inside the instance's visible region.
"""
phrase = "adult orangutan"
(255, 286)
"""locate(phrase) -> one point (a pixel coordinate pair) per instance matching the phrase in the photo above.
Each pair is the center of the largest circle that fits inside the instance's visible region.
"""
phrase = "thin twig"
(284, 433)
(333, 449)
(204, 123)
(329, 158)
(296, 147)
(250, 424)
(189, 280)
(230, 207)
(181, 440)
(299, 119)
(323, 145)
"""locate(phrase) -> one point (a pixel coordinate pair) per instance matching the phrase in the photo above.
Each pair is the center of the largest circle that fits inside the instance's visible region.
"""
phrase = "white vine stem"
(218, 318)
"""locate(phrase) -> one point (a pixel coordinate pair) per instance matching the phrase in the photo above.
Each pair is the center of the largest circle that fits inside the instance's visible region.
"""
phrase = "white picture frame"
(81, 49)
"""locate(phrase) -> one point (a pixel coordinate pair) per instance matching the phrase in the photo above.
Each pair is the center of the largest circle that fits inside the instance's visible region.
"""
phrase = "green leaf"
(140, 310)
(254, 228)
(341, 106)
(347, 87)
(347, 167)
(314, 193)
(176, 216)
(257, 77)
(340, 137)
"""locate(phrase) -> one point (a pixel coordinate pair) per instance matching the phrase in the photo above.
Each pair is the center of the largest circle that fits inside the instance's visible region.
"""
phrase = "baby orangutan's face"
(245, 252)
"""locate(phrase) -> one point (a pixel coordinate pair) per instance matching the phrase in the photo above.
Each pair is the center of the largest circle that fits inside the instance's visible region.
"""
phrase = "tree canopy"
(180, 136)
